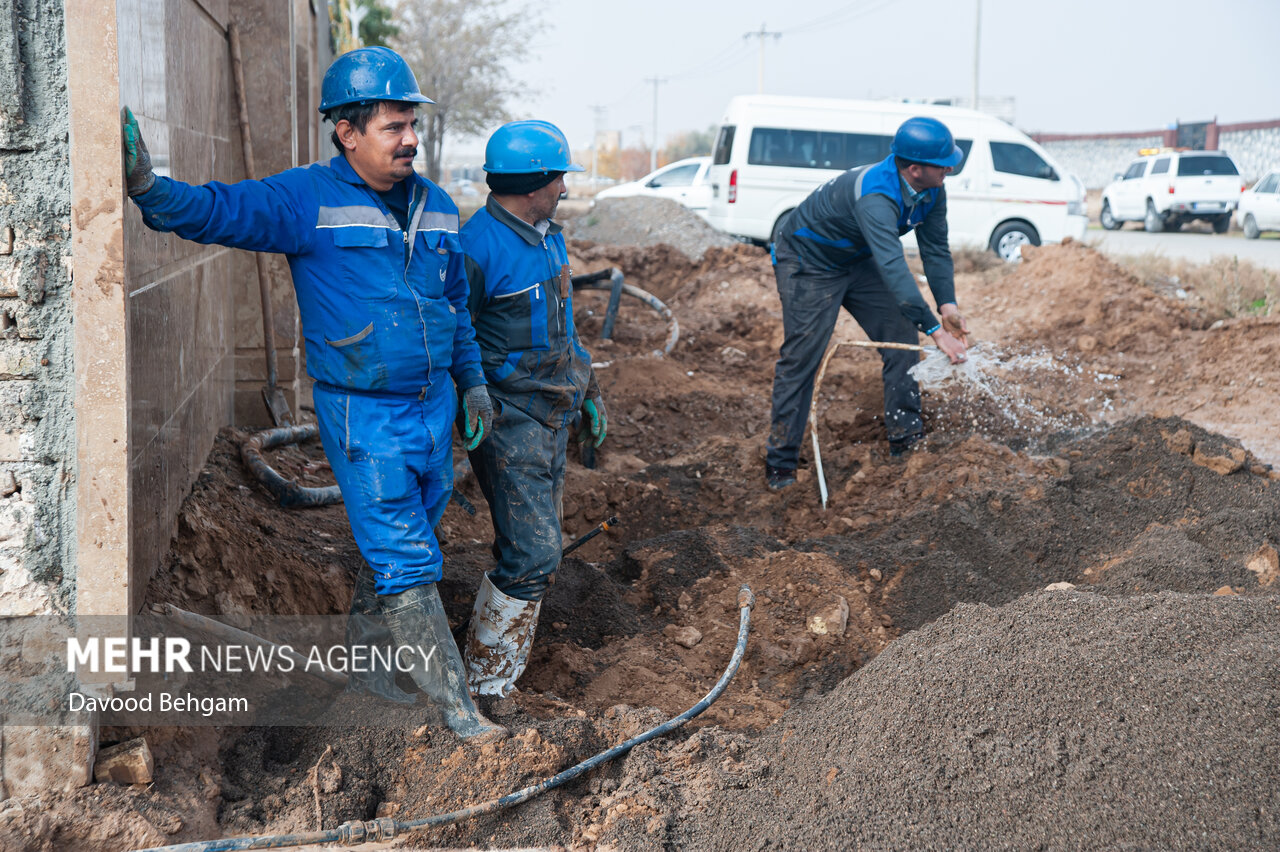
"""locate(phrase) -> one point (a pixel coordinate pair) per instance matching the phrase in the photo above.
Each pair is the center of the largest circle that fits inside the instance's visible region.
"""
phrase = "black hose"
(287, 492)
(353, 833)
(585, 282)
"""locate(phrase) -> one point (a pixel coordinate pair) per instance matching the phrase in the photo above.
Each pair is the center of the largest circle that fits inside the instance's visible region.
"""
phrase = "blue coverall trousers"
(811, 304)
(391, 456)
(520, 468)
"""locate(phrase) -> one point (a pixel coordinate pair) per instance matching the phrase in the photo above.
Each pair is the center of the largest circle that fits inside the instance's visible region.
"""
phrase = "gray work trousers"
(811, 304)
(520, 467)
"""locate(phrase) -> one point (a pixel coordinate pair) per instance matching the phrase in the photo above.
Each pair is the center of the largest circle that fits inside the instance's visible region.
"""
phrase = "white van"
(772, 151)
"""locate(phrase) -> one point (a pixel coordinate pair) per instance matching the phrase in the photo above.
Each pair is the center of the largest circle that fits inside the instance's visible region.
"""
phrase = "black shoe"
(902, 447)
(779, 478)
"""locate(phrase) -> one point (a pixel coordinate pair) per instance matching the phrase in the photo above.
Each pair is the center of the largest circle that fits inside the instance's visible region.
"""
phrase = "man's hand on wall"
(477, 415)
(138, 176)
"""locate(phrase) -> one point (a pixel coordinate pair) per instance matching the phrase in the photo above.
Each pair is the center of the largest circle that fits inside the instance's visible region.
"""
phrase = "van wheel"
(1009, 238)
(1108, 221)
(1251, 229)
(1222, 224)
(776, 234)
(1153, 221)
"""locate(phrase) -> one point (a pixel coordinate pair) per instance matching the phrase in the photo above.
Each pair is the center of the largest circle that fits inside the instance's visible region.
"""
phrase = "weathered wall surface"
(37, 438)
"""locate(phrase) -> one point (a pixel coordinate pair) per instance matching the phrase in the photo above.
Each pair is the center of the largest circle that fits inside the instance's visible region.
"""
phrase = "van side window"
(965, 145)
(1161, 167)
(1135, 170)
(724, 145)
(1015, 159)
(814, 149)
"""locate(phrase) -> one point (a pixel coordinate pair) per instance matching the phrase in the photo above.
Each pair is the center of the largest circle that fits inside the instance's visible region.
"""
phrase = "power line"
(760, 69)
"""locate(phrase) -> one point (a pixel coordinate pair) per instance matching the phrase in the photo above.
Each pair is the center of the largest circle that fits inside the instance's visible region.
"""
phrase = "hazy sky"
(1083, 66)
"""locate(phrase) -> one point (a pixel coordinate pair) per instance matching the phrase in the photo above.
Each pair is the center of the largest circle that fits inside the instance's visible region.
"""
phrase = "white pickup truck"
(1168, 189)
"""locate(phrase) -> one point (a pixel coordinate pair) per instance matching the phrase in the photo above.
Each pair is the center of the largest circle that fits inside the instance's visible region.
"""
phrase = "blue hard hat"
(926, 140)
(369, 74)
(522, 147)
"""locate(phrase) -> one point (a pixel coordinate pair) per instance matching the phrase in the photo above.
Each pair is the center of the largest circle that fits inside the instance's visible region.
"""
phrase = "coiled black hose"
(354, 833)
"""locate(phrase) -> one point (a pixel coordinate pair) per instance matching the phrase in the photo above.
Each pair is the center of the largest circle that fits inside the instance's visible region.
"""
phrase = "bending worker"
(841, 247)
(376, 265)
(540, 378)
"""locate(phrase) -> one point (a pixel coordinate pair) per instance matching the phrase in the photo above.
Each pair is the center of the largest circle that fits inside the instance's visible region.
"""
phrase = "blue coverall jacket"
(539, 375)
(384, 316)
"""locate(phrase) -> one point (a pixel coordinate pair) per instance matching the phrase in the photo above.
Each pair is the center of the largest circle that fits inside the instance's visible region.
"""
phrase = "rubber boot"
(499, 638)
(367, 627)
(417, 620)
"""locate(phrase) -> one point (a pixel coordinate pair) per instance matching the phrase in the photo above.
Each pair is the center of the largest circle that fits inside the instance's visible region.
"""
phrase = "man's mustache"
(405, 152)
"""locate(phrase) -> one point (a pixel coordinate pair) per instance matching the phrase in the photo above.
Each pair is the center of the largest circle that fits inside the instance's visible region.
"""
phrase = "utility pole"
(760, 69)
(599, 111)
(653, 151)
(977, 52)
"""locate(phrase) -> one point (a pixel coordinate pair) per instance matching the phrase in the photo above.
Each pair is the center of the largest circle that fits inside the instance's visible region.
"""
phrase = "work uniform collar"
(909, 195)
(347, 174)
(527, 232)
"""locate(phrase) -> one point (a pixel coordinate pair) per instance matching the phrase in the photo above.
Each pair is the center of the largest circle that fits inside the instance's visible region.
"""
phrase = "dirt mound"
(646, 222)
(1062, 720)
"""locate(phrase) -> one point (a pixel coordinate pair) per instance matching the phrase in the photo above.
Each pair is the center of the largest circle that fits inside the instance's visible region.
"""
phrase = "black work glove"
(138, 176)
(477, 415)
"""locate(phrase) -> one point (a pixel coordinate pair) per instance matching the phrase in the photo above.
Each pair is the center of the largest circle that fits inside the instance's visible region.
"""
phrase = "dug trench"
(909, 681)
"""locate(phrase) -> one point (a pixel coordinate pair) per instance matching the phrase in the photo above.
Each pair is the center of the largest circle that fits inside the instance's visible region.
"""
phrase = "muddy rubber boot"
(417, 620)
(366, 626)
(499, 638)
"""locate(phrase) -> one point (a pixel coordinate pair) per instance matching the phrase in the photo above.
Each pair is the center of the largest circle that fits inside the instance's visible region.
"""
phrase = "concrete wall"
(118, 345)
(37, 438)
(1096, 157)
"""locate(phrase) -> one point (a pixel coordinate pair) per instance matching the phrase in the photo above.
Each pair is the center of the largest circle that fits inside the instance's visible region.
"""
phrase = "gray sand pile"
(646, 222)
(1062, 720)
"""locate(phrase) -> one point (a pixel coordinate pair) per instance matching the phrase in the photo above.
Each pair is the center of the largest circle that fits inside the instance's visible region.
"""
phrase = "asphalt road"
(1194, 246)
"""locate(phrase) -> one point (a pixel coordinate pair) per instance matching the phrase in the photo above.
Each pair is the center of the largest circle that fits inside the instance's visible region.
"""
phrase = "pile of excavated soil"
(906, 682)
(646, 222)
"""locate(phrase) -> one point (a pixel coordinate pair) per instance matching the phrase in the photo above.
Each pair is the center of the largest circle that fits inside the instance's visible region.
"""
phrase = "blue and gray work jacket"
(383, 309)
(863, 214)
(521, 305)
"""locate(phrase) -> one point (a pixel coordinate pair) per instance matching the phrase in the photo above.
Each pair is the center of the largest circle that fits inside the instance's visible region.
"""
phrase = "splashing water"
(1025, 394)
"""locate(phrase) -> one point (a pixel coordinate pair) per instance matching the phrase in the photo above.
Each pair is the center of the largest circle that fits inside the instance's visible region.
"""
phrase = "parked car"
(1260, 206)
(684, 181)
(1167, 189)
(772, 151)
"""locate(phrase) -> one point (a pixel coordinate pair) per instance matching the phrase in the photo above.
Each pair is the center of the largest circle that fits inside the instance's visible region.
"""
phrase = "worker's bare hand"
(952, 346)
(954, 322)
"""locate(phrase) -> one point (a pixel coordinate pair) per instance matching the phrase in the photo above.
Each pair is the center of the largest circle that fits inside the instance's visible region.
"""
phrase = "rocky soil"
(908, 681)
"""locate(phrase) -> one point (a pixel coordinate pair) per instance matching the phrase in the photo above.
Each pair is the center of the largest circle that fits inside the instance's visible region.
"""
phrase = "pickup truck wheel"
(1153, 221)
(1250, 225)
(1108, 221)
(1222, 223)
(1009, 238)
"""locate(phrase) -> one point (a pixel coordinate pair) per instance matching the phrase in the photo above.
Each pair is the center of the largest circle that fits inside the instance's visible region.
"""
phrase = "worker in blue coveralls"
(382, 293)
(541, 382)
(841, 248)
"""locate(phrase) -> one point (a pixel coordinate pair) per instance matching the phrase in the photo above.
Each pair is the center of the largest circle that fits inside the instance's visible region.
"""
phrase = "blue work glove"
(477, 415)
(138, 176)
(595, 423)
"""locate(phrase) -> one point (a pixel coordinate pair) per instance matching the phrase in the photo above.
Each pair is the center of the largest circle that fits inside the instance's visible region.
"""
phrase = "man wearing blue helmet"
(842, 248)
(378, 272)
(540, 379)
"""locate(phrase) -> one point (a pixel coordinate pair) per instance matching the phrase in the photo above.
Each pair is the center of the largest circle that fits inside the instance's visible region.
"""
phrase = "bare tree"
(460, 50)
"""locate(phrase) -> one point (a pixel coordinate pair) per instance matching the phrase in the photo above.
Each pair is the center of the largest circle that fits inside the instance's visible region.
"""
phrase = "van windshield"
(815, 149)
(724, 146)
(1203, 165)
